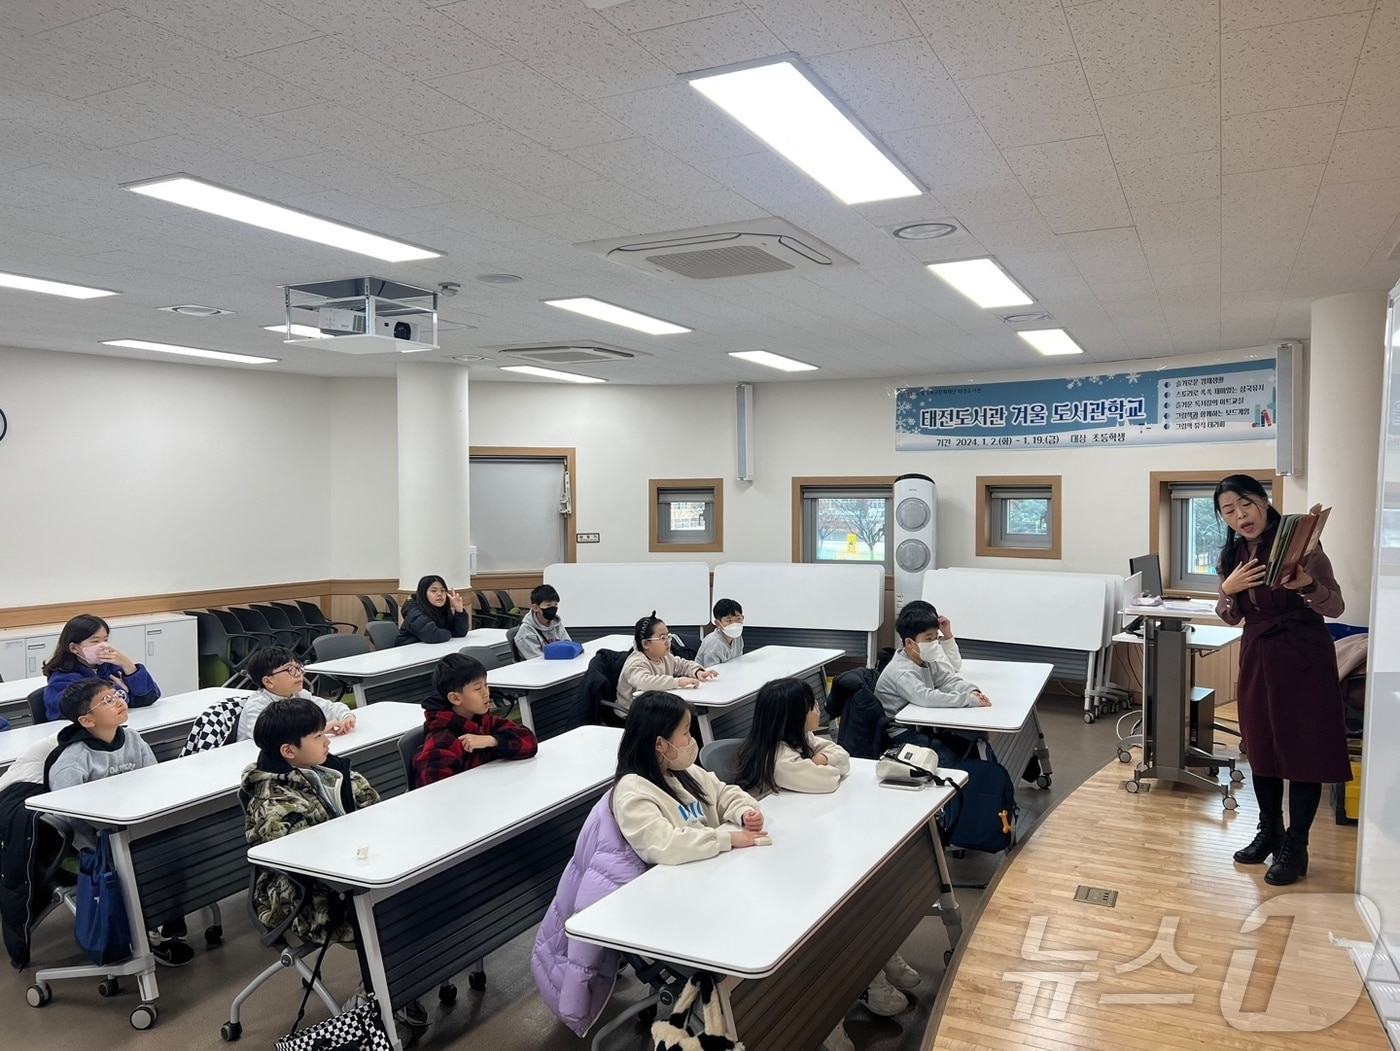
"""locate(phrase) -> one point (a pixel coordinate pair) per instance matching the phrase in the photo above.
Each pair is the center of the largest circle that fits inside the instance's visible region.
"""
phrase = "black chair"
(298, 620)
(37, 712)
(277, 617)
(313, 615)
(720, 758)
(372, 612)
(333, 647)
(229, 619)
(489, 659)
(392, 605)
(382, 633)
(485, 614)
(507, 610)
(510, 640)
(254, 623)
(229, 649)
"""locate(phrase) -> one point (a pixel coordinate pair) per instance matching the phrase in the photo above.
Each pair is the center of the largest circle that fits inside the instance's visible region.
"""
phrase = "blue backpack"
(101, 927)
(983, 816)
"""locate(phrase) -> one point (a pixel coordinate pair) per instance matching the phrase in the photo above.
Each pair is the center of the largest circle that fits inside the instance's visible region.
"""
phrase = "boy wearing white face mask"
(916, 675)
(727, 640)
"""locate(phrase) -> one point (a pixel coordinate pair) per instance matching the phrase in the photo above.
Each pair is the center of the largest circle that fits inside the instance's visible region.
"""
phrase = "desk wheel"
(447, 994)
(231, 1031)
(1125, 756)
(1236, 777)
(1131, 787)
(1230, 803)
(1089, 718)
(214, 935)
(477, 980)
(947, 957)
(143, 1017)
(1043, 781)
(108, 987)
(39, 994)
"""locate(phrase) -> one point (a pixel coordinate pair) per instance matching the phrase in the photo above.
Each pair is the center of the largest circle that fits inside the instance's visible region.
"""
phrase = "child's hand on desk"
(983, 701)
(752, 821)
(706, 673)
(473, 742)
(749, 839)
(338, 727)
(687, 683)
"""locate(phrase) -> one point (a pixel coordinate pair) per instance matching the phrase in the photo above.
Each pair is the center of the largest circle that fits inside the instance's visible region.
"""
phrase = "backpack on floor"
(984, 818)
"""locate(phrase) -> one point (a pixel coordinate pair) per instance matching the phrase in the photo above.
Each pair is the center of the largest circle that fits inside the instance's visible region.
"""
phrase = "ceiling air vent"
(566, 354)
(743, 249)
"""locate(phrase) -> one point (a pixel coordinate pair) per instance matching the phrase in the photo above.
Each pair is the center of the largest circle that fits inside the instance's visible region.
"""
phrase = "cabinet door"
(171, 655)
(37, 650)
(12, 664)
(131, 640)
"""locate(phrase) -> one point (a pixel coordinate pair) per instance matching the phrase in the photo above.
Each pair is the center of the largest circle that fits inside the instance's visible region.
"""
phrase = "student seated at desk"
(652, 665)
(83, 652)
(541, 624)
(915, 675)
(432, 614)
(948, 652)
(460, 732)
(95, 745)
(277, 670)
(727, 640)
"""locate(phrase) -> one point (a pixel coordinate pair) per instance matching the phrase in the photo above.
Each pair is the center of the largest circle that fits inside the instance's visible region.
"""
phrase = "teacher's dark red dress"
(1290, 705)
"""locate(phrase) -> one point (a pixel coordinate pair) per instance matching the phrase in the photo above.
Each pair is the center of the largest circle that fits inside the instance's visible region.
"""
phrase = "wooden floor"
(1241, 964)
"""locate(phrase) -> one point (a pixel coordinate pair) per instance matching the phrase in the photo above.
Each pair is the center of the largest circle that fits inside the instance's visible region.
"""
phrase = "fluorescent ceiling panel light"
(787, 108)
(216, 200)
(551, 374)
(189, 352)
(616, 315)
(983, 282)
(300, 331)
(52, 288)
(773, 361)
(1051, 341)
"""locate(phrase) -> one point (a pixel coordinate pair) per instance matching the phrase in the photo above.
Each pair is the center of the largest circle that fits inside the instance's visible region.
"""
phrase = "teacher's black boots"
(1265, 842)
(1290, 861)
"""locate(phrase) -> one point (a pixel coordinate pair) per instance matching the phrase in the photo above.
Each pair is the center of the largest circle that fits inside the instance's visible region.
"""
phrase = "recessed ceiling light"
(772, 361)
(469, 357)
(787, 107)
(925, 231)
(189, 352)
(52, 288)
(1051, 341)
(195, 310)
(217, 200)
(983, 282)
(300, 331)
(551, 374)
(616, 315)
(499, 279)
(1027, 317)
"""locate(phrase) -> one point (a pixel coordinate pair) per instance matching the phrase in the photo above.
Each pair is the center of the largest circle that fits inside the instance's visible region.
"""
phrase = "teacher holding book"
(1290, 707)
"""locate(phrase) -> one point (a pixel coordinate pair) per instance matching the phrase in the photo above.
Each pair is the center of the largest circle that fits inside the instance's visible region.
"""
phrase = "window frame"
(1163, 537)
(804, 533)
(657, 541)
(991, 490)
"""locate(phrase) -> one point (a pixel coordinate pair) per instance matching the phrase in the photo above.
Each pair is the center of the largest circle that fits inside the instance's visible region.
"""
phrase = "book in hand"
(1295, 540)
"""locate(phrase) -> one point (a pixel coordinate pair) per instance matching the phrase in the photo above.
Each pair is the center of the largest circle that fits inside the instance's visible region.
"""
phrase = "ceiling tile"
(767, 180)
(516, 96)
(41, 65)
(707, 42)
(1027, 106)
(490, 147)
(894, 86)
(1107, 257)
(1162, 123)
(1294, 64)
(1251, 14)
(980, 37)
(1362, 155)
(1349, 221)
(1096, 205)
(636, 15)
(1021, 236)
(30, 18)
(1278, 138)
(1253, 279)
(1374, 101)
(1175, 282)
(1130, 46)
(404, 35)
(229, 29)
(1164, 180)
(1061, 167)
(491, 192)
(643, 167)
(678, 118)
(991, 202)
(817, 29)
(951, 156)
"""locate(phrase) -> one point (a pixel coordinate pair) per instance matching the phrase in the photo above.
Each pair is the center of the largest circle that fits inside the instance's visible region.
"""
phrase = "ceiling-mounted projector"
(337, 321)
(364, 315)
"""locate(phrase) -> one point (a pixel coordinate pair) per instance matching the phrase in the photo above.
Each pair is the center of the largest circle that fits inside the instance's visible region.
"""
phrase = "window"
(844, 520)
(687, 514)
(1019, 517)
(1186, 532)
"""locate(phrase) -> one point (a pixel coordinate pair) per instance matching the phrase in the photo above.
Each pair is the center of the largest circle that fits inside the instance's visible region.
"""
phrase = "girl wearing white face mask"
(668, 808)
(727, 640)
(85, 652)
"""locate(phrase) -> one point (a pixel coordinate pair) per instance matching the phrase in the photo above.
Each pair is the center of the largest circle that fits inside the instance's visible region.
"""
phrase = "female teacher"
(1289, 702)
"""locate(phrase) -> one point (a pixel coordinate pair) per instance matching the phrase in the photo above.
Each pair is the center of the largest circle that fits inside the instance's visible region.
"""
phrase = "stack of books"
(1296, 537)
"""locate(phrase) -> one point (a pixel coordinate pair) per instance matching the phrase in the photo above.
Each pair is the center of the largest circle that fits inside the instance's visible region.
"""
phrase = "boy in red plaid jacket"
(459, 731)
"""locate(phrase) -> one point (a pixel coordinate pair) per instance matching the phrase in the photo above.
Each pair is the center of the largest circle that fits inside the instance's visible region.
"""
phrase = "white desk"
(398, 673)
(1009, 722)
(1200, 638)
(164, 725)
(178, 833)
(547, 689)
(433, 896)
(722, 705)
(14, 697)
(807, 922)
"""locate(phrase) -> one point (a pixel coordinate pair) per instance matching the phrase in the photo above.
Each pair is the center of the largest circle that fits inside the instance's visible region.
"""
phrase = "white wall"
(361, 452)
(122, 477)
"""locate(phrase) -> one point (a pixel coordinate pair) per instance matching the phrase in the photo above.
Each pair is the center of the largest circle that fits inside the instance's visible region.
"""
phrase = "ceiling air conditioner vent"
(743, 249)
(570, 354)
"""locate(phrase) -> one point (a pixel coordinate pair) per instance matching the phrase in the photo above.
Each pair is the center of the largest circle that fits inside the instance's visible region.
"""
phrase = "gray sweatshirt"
(717, 647)
(258, 702)
(84, 758)
(932, 685)
(532, 636)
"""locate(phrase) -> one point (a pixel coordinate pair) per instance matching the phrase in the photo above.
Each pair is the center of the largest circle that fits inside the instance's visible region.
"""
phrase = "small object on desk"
(362, 854)
(1147, 600)
(763, 841)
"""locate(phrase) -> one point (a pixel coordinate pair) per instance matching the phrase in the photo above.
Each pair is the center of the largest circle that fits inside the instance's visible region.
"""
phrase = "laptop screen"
(1150, 566)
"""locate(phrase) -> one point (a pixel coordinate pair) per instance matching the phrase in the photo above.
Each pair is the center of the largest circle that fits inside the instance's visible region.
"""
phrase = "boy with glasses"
(275, 669)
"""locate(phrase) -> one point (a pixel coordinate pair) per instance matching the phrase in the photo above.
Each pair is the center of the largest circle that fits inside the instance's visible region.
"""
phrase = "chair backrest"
(296, 616)
(210, 632)
(483, 606)
(249, 619)
(719, 758)
(392, 605)
(409, 744)
(37, 712)
(382, 633)
(312, 612)
(229, 620)
(276, 616)
(503, 601)
(372, 612)
(333, 647)
(489, 658)
(510, 639)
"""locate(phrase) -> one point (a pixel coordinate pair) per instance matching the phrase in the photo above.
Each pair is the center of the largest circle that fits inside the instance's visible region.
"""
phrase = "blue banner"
(1204, 403)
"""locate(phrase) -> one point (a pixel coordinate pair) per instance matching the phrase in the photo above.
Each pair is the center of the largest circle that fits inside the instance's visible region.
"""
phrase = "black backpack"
(983, 816)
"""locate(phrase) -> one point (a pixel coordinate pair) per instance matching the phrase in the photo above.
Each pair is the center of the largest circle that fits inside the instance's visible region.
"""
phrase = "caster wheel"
(1043, 781)
(1130, 787)
(1124, 756)
(447, 995)
(477, 980)
(1089, 718)
(231, 1031)
(1214, 771)
(1231, 803)
(143, 1017)
(947, 957)
(1236, 778)
(108, 987)
(214, 935)
(38, 994)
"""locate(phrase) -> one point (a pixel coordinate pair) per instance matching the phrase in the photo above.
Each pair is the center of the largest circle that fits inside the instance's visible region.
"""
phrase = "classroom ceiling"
(1163, 176)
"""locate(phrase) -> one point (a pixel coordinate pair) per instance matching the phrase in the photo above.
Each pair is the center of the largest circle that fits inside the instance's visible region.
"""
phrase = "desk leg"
(358, 686)
(140, 943)
(947, 901)
(373, 959)
(726, 1009)
(527, 716)
(707, 732)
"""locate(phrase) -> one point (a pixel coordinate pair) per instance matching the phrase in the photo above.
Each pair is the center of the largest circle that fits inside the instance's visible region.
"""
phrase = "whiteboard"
(1069, 611)
(804, 594)
(613, 594)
